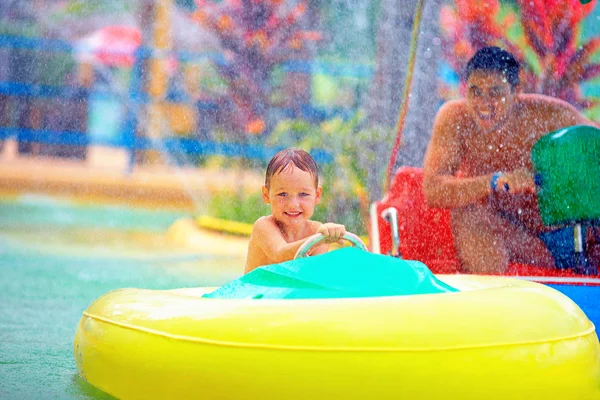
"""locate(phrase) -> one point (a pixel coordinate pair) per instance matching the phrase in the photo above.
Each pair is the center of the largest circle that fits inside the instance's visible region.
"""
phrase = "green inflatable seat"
(567, 168)
(347, 272)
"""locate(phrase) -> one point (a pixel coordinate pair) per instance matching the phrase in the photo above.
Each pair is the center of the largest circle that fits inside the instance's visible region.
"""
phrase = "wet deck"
(104, 177)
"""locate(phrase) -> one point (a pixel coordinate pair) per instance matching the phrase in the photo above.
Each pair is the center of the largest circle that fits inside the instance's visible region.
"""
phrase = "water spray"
(414, 39)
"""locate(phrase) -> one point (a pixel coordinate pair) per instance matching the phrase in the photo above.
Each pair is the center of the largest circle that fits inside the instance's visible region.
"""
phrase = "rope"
(407, 88)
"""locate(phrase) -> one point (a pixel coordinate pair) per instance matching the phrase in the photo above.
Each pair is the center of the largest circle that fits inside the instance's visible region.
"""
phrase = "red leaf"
(536, 20)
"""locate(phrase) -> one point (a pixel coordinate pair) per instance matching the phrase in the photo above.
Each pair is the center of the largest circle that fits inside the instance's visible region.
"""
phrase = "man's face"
(490, 99)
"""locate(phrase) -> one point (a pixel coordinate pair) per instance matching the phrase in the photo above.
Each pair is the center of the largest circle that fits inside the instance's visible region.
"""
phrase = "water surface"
(57, 257)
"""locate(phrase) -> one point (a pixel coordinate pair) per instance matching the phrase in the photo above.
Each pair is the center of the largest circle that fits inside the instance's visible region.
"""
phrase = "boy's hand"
(332, 232)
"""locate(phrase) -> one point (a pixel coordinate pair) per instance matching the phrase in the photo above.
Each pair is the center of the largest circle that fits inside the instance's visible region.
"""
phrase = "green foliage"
(54, 68)
(594, 113)
(241, 207)
(83, 8)
(211, 84)
(20, 28)
(337, 91)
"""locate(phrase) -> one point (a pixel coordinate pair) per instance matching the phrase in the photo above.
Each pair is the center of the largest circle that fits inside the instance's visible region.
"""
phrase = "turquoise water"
(55, 259)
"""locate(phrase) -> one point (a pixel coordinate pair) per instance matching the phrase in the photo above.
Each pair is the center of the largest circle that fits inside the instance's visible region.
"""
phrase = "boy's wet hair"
(291, 157)
(494, 59)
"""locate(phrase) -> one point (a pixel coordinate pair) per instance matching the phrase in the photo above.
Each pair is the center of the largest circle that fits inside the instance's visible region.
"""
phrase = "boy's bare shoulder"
(266, 219)
(263, 223)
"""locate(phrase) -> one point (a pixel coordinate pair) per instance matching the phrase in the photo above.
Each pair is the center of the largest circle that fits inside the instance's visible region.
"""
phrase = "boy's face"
(292, 195)
(490, 99)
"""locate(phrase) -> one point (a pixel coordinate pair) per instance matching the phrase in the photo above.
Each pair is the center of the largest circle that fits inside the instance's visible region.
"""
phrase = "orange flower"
(256, 126)
(259, 39)
(199, 16)
(480, 16)
(225, 23)
(463, 49)
(477, 10)
(295, 43)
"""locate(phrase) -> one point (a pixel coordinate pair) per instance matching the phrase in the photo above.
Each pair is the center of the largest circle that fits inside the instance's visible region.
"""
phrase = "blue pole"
(131, 123)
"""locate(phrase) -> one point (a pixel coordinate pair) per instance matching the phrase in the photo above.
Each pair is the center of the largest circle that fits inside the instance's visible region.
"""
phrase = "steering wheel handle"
(317, 238)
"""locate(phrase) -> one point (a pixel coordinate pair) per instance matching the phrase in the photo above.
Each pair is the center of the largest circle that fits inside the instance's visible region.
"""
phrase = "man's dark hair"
(494, 59)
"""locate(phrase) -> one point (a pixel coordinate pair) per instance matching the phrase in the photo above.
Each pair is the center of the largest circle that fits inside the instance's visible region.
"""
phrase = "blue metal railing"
(173, 145)
(39, 44)
(128, 139)
(45, 91)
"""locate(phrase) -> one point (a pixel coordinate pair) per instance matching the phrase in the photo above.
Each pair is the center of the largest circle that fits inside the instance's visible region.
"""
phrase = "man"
(478, 164)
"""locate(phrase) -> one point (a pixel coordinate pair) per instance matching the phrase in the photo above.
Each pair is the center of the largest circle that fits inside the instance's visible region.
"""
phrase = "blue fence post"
(134, 99)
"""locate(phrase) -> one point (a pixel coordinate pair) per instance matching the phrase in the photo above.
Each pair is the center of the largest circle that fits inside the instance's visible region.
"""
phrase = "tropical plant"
(542, 34)
(237, 206)
(256, 36)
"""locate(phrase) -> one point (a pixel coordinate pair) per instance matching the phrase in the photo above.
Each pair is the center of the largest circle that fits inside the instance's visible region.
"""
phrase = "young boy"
(292, 189)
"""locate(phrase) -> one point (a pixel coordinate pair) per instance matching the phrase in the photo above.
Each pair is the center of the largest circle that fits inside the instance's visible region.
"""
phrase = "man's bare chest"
(482, 154)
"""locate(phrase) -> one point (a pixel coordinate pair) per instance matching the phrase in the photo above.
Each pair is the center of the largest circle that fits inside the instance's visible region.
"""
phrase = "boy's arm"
(268, 246)
(442, 160)
(267, 238)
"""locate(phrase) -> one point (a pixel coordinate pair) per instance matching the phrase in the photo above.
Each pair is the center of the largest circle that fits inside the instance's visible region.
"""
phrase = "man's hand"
(518, 181)
(333, 232)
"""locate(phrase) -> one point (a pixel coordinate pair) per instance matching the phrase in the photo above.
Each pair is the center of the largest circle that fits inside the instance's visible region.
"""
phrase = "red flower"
(550, 29)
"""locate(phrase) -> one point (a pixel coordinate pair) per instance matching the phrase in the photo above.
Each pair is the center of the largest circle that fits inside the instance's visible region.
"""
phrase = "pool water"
(56, 257)
(586, 297)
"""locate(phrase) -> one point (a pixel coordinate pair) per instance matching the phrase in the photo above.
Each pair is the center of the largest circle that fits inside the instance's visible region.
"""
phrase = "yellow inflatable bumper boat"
(483, 338)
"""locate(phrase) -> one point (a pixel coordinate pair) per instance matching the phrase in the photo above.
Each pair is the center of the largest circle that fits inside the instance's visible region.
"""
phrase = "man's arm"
(442, 160)
(554, 114)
